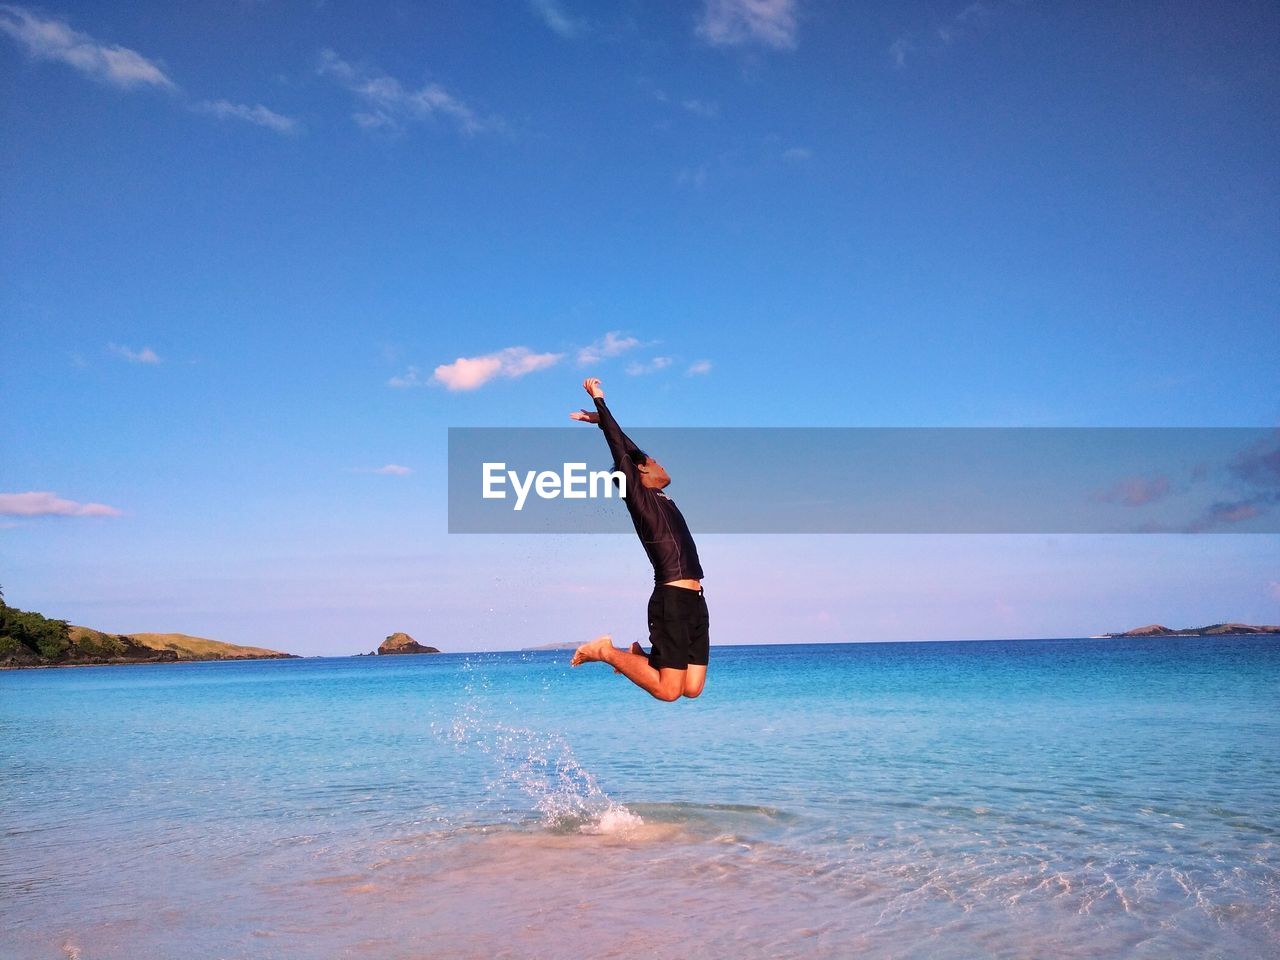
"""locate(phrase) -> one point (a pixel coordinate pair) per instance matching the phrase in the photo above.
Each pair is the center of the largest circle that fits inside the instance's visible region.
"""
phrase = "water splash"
(616, 821)
(540, 765)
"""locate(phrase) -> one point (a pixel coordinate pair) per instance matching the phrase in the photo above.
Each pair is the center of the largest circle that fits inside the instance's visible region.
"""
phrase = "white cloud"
(899, 49)
(389, 104)
(48, 39)
(469, 373)
(611, 344)
(257, 114)
(648, 87)
(698, 367)
(974, 11)
(409, 379)
(652, 366)
(390, 470)
(373, 121)
(703, 108)
(733, 22)
(958, 27)
(46, 504)
(145, 355)
(1136, 491)
(557, 20)
(797, 154)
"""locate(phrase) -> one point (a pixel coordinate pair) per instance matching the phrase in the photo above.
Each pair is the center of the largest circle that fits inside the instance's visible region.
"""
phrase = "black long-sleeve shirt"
(657, 519)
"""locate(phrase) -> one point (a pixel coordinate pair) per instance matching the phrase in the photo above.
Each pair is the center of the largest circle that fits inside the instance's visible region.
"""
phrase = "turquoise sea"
(1035, 798)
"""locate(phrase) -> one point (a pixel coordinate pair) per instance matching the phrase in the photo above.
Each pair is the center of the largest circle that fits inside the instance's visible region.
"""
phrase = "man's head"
(653, 475)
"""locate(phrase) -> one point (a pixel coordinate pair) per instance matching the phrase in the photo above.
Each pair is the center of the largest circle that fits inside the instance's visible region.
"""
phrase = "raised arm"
(620, 444)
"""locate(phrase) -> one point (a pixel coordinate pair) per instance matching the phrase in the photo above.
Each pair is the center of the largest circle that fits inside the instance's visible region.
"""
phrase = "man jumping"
(676, 665)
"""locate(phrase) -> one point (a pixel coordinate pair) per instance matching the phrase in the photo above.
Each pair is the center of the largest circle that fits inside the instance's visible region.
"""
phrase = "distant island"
(29, 639)
(400, 643)
(1212, 630)
(571, 645)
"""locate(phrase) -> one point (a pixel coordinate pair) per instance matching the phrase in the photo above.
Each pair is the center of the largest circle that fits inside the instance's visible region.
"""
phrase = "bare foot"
(595, 650)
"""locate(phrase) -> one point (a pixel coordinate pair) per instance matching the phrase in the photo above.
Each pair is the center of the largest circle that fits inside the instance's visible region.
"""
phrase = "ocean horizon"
(1072, 797)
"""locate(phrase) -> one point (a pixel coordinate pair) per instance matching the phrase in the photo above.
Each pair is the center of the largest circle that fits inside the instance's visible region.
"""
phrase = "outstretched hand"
(592, 386)
(585, 416)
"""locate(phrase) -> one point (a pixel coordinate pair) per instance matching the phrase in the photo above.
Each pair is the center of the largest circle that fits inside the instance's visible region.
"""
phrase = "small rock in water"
(403, 643)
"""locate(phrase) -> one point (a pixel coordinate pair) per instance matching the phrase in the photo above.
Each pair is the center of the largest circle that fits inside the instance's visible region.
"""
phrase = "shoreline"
(724, 646)
(143, 663)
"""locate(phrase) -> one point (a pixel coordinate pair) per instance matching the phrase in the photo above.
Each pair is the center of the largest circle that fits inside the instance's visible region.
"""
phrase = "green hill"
(29, 639)
(1212, 630)
(201, 648)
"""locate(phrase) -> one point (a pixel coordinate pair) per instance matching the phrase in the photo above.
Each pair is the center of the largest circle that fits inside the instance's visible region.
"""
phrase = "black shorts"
(678, 628)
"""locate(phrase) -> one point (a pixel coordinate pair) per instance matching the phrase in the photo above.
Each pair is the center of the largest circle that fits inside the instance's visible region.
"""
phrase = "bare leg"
(664, 684)
(694, 679)
(637, 650)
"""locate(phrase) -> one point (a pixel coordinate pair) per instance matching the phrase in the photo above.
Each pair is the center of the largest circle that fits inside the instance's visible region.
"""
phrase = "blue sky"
(246, 243)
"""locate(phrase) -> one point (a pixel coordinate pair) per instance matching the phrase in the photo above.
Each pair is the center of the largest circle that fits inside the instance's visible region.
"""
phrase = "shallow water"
(1006, 799)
